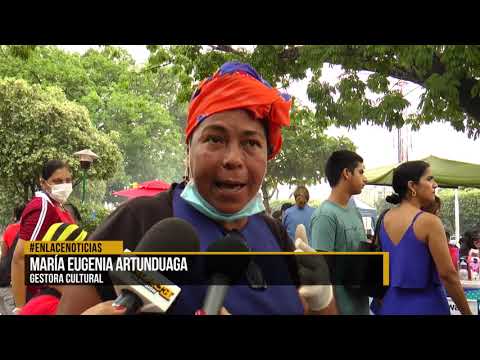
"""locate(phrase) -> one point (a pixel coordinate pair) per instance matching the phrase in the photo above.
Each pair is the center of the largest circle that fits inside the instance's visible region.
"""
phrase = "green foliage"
(20, 51)
(305, 146)
(131, 109)
(9, 199)
(95, 190)
(136, 108)
(469, 205)
(92, 213)
(304, 153)
(37, 124)
(40, 123)
(276, 204)
(149, 141)
(140, 105)
(449, 74)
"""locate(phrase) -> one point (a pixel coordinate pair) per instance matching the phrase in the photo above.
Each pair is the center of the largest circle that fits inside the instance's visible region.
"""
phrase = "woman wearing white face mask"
(44, 210)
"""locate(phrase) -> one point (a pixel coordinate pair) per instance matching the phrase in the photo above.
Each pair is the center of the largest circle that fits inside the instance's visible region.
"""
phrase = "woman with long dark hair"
(44, 210)
(419, 256)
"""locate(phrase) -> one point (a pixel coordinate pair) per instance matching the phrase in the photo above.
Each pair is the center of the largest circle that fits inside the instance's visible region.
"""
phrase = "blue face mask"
(191, 195)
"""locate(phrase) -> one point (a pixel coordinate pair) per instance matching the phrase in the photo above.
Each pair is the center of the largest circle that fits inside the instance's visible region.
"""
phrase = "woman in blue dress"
(419, 258)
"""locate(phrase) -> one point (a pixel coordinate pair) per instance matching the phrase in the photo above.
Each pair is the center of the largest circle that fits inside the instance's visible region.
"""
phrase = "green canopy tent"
(447, 173)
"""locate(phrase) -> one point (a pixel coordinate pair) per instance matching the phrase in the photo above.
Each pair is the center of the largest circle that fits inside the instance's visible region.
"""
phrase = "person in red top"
(453, 249)
(48, 298)
(9, 235)
(12, 229)
(44, 210)
(7, 304)
(44, 304)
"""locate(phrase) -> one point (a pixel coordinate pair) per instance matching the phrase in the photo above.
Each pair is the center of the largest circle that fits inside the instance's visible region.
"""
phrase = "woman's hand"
(105, 308)
(16, 311)
(224, 311)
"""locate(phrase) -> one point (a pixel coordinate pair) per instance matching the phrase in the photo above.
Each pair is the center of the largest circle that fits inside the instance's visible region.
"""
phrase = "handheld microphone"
(152, 291)
(223, 270)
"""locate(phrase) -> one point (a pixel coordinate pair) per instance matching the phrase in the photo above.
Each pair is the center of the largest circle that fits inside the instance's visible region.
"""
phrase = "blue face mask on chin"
(191, 195)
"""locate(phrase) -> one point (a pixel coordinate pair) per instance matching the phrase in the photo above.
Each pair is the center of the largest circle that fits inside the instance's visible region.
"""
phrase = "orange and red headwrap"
(239, 86)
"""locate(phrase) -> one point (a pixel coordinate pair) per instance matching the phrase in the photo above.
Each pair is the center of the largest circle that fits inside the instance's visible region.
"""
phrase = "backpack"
(6, 264)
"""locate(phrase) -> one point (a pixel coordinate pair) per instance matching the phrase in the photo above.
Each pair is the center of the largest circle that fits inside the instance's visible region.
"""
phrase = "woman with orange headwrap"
(233, 128)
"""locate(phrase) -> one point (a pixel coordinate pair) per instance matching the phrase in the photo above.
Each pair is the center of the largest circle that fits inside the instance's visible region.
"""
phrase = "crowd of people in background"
(230, 139)
(424, 268)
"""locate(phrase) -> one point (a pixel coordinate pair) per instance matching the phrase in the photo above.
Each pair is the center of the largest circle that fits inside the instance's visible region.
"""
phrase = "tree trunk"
(266, 198)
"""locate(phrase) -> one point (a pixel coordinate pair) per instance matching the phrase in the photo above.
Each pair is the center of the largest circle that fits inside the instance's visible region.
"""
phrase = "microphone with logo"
(151, 291)
(223, 270)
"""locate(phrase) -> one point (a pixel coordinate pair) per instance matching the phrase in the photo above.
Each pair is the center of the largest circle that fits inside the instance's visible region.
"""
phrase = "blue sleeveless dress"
(241, 299)
(415, 287)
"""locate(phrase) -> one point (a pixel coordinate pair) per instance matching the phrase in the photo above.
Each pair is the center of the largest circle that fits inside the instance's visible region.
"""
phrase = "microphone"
(152, 291)
(223, 270)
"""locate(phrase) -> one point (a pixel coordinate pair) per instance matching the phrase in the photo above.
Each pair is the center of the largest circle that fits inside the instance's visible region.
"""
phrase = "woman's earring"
(414, 193)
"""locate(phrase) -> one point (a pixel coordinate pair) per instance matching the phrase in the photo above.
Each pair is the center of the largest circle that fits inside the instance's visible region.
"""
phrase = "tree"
(37, 124)
(19, 51)
(92, 214)
(141, 106)
(137, 104)
(306, 147)
(469, 203)
(449, 75)
(149, 140)
(305, 151)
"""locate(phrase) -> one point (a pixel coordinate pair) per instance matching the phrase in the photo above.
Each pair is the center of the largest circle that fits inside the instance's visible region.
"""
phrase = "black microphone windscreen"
(169, 235)
(230, 266)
